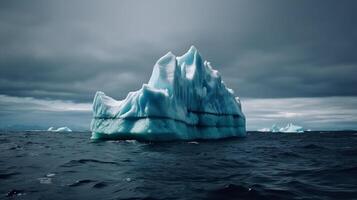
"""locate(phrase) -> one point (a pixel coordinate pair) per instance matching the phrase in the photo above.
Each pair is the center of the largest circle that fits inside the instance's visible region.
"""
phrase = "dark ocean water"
(44, 165)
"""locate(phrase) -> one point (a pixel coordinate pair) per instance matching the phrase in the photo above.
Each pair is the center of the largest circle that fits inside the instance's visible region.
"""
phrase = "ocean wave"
(72, 163)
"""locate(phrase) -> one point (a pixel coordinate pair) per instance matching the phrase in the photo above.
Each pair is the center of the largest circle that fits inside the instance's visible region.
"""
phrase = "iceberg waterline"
(185, 98)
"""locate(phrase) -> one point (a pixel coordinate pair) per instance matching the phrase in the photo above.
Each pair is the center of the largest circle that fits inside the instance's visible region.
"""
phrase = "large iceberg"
(184, 99)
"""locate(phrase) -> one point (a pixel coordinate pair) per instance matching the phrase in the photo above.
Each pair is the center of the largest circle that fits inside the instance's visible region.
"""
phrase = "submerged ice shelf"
(185, 98)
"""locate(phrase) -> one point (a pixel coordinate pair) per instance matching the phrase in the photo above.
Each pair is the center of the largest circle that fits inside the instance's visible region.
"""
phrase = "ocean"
(48, 165)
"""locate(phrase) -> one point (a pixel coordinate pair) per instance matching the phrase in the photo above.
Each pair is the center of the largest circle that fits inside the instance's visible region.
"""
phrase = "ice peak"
(189, 56)
(166, 59)
(164, 72)
(192, 49)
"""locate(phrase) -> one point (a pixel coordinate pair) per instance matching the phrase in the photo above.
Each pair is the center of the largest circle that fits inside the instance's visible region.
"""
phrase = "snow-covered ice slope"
(185, 98)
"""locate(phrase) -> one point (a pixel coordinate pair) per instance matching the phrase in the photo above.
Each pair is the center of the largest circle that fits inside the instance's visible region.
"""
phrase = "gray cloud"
(263, 49)
(316, 113)
(9, 103)
(30, 113)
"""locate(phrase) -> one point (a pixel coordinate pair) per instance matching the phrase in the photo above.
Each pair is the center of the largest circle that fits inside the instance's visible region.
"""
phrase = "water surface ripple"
(48, 165)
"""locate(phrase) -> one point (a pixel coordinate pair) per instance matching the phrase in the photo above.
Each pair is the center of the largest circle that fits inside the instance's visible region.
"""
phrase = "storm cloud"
(64, 50)
(264, 49)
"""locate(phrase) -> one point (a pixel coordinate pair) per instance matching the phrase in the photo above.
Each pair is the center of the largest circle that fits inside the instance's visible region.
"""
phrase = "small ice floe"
(32, 154)
(45, 180)
(192, 142)
(131, 141)
(264, 130)
(61, 129)
(50, 175)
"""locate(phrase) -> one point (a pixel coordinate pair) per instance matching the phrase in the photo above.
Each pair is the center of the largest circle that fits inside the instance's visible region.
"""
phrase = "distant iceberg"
(289, 128)
(184, 99)
(61, 129)
(275, 128)
(264, 130)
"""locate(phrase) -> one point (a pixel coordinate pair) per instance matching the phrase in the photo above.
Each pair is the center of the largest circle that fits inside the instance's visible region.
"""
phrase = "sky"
(289, 61)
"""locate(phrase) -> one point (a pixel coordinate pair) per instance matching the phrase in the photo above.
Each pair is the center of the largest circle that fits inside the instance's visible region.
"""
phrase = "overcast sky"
(271, 53)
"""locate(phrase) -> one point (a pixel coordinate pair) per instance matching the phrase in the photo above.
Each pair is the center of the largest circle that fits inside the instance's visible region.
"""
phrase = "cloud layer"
(264, 49)
(316, 113)
(30, 113)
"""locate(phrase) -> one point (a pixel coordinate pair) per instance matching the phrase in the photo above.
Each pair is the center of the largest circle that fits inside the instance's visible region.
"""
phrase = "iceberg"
(185, 99)
(265, 130)
(61, 129)
(289, 128)
(275, 128)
